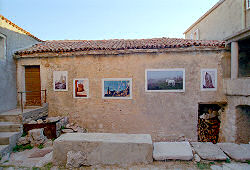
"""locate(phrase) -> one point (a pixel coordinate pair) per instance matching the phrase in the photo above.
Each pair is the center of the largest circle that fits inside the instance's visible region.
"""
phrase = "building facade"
(167, 113)
(12, 38)
(229, 20)
(225, 18)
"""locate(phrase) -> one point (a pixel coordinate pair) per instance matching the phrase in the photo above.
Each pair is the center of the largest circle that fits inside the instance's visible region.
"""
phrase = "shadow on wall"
(14, 41)
(243, 124)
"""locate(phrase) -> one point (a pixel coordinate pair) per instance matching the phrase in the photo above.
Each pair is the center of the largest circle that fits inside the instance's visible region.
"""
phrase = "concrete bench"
(104, 148)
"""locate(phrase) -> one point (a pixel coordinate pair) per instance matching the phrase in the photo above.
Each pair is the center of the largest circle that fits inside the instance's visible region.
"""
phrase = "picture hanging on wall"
(81, 88)
(208, 79)
(117, 88)
(165, 80)
(60, 80)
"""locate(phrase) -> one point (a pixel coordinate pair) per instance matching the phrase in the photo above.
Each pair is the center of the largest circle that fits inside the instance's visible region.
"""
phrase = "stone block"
(235, 151)
(172, 151)
(75, 159)
(208, 151)
(104, 148)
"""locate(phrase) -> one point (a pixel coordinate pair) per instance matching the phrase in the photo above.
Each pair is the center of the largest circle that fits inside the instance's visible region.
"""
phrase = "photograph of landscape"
(165, 80)
(116, 88)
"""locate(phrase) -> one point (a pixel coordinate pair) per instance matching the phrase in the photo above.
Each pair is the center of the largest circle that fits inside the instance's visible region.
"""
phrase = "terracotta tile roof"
(19, 28)
(116, 44)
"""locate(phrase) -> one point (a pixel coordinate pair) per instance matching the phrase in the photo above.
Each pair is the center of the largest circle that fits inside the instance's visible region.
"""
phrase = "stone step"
(209, 151)
(8, 138)
(102, 148)
(172, 151)
(10, 118)
(4, 149)
(10, 127)
(235, 151)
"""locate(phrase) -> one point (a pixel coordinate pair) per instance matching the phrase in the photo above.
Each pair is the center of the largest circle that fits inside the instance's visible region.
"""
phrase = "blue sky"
(115, 85)
(163, 74)
(104, 19)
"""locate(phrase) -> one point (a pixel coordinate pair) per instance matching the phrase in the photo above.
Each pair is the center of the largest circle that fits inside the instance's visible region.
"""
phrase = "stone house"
(229, 20)
(12, 38)
(166, 115)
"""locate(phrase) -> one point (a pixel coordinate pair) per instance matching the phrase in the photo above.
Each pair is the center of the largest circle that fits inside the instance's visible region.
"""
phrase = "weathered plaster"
(163, 115)
(8, 93)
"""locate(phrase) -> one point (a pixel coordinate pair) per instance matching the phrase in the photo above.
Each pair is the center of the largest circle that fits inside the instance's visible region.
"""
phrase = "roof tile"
(116, 44)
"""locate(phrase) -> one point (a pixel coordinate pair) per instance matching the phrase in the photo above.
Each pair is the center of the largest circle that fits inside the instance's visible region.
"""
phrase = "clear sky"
(104, 19)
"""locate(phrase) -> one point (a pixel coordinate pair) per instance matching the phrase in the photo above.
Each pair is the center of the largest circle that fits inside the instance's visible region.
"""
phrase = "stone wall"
(35, 113)
(165, 116)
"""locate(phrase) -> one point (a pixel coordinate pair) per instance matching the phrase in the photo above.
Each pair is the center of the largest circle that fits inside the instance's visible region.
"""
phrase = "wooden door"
(32, 86)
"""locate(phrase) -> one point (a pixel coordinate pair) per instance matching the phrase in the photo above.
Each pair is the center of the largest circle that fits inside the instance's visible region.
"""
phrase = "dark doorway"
(32, 86)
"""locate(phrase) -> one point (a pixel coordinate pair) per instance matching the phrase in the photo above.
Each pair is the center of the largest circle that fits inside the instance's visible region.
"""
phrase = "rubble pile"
(35, 137)
(73, 128)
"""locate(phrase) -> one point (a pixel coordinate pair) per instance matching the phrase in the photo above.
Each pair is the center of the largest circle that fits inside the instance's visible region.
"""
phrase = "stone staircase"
(10, 130)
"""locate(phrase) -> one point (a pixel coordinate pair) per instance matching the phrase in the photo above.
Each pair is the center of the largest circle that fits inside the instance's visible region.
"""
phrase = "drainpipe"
(243, 16)
(234, 60)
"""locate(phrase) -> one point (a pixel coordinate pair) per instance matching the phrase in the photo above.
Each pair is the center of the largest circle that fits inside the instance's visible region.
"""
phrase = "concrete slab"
(172, 151)
(235, 151)
(104, 148)
(246, 146)
(209, 151)
(231, 166)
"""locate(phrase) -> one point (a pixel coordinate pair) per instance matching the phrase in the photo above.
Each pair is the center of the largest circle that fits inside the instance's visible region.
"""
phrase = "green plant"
(248, 161)
(228, 160)
(203, 165)
(48, 166)
(35, 168)
(24, 134)
(19, 148)
(62, 127)
(41, 146)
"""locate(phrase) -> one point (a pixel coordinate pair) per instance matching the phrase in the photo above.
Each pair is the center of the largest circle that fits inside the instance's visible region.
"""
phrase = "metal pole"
(21, 102)
(45, 95)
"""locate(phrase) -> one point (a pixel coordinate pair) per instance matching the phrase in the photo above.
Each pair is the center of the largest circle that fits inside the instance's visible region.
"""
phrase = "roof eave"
(118, 52)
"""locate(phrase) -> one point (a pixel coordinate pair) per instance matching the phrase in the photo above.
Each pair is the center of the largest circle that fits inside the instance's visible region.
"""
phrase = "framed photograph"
(165, 80)
(117, 88)
(60, 80)
(208, 79)
(81, 88)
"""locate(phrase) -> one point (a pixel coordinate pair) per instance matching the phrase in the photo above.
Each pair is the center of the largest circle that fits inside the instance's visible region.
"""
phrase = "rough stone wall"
(228, 131)
(163, 115)
(218, 24)
(8, 93)
(243, 124)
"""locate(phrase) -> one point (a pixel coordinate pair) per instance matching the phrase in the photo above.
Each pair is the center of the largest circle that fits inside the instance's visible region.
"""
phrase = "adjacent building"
(229, 20)
(12, 38)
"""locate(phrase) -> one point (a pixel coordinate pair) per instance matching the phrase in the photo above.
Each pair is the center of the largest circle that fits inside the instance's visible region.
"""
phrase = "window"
(196, 35)
(191, 36)
(2, 46)
(248, 4)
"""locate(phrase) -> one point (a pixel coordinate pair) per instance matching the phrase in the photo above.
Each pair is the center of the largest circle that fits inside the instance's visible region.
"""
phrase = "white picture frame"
(208, 80)
(117, 88)
(165, 80)
(60, 80)
(81, 88)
